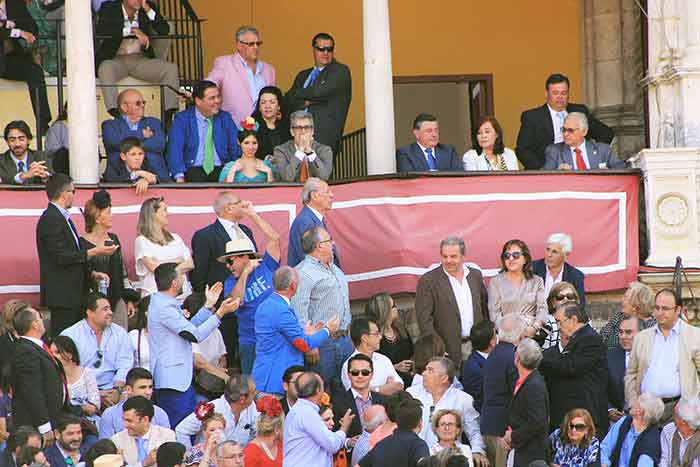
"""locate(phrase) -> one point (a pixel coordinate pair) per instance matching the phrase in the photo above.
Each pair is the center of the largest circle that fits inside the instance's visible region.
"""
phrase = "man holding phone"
(251, 281)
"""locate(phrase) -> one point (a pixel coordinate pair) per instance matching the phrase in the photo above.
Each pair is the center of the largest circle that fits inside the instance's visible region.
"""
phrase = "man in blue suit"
(553, 268)
(484, 340)
(617, 367)
(133, 123)
(318, 200)
(202, 138)
(69, 439)
(281, 342)
(170, 338)
(427, 154)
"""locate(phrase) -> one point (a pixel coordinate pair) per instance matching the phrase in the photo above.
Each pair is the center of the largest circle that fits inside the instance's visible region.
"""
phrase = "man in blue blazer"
(281, 342)
(484, 340)
(553, 268)
(134, 124)
(202, 138)
(318, 200)
(617, 366)
(69, 440)
(427, 154)
(170, 338)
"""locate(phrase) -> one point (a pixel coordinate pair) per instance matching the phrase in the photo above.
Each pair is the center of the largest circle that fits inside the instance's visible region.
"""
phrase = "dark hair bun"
(102, 199)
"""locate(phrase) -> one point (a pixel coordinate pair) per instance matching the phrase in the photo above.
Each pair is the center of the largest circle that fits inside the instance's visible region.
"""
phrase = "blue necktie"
(432, 163)
(20, 167)
(312, 77)
(141, 449)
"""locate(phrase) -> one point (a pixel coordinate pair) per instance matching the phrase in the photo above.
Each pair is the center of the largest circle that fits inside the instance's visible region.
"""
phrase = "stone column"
(82, 106)
(613, 65)
(379, 89)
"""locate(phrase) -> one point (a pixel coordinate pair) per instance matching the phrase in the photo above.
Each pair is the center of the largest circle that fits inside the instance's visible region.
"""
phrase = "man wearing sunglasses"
(577, 152)
(325, 90)
(241, 76)
(104, 347)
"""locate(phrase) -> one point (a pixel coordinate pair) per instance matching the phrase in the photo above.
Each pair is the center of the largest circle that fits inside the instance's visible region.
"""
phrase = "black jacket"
(344, 401)
(537, 132)
(616, 378)
(578, 378)
(528, 417)
(18, 13)
(570, 274)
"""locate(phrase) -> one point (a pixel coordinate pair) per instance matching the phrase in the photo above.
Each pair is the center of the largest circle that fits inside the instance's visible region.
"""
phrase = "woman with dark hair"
(490, 153)
(248, 168)
(100, 448)
(272, 115)
(98, 222)
(560, 294)
(139, 334)
(396, 343)
(516, 289)
(574, 443)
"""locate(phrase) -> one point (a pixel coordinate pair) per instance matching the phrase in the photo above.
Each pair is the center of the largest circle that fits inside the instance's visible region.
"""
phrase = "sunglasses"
(230, 261)
(568, 296)
(360, 372)
(98, 362)
(514, 255)
(252, 43)
(578, 426)
(325, 49)
(568, 130)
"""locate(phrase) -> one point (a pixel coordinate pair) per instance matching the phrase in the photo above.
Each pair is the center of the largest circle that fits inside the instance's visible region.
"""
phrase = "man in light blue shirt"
(307, 440)
(102, 346)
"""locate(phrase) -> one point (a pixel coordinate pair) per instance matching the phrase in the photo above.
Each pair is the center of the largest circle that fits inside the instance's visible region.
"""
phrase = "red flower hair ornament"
(204, 410)
(250, 124)
(269, 405)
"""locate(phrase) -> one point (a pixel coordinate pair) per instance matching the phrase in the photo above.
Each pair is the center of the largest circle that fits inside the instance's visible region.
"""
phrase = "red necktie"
(580, 163)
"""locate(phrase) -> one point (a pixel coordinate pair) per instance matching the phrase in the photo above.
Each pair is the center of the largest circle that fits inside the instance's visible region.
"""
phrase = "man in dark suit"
(617, 366)
(541, 126)
(208, 244)
(324, 90)
(290, 392)
(529, 409)
(427, 153)
(64, 279)
(577, 152)
(580, 370)
(19, 165)
(22, 437)
(318, 200)
(484, 340)
(450, 299)
(69, 439)
(553, 268)
(359, 397)
(16, 62)
(40, 391)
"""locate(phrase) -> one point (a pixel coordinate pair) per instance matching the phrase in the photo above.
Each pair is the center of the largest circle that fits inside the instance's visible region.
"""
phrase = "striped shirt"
(322, 294)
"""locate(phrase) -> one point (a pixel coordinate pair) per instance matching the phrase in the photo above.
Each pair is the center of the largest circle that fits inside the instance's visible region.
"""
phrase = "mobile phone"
(109, 242)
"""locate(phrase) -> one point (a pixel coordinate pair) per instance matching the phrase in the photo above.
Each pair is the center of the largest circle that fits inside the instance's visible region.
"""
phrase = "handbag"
(209, 383)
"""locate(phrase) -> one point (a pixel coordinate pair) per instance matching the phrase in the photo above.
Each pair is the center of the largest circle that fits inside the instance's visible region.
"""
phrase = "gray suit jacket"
(288, 165)
(8, 169)
(598, 154)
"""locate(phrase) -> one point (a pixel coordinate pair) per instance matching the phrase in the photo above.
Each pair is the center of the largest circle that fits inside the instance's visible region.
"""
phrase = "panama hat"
(238, 247)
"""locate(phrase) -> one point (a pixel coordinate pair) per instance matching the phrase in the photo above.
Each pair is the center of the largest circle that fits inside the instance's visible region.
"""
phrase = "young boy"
(131, 167)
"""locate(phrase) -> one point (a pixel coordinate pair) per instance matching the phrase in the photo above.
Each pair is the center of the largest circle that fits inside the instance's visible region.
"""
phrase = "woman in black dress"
(273, 118)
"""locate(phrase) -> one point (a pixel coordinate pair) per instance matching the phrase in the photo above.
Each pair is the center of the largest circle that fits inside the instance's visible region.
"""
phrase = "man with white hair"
(577, 152)
(553, 268)
(372, 418)
(680, 440)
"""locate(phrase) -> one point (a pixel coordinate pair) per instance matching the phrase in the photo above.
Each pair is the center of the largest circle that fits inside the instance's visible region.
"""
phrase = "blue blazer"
(280, 342)
(473, 377)
(412, 159)
(571, 275)
(305, 220)
(616, 378)
(171, 354)
(114, 131)
(500, 376)
(183, 140)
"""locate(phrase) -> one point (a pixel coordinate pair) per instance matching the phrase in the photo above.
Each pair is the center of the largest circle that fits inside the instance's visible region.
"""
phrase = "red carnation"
(204, 410)
(269, 405)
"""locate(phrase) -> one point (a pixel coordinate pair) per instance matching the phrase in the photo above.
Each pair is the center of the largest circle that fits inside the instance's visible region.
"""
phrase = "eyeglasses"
(568, 130)
(139, 103)
(330, 240)
(303, 127)
(559, 321)
(568, 296)
(446, 424)
(664, 308)
(360, 372)
(514, 255)
(252, 43)
(578, 426)
(98, 362)
(325, 49)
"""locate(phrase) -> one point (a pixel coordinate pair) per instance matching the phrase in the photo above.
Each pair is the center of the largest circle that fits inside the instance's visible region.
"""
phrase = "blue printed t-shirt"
(257, 289)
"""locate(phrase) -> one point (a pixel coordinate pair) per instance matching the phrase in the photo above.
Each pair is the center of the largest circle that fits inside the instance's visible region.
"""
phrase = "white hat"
(237, 247)
(109, 460)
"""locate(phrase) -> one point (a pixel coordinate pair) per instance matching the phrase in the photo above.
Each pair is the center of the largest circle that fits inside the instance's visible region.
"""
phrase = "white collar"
(554, 113)
(25, 160)
(422, 148)
(464, 267)
(227, 224)
(356, 394)
(38, 342)
(289, 302)
(581, 146)
(483, 354)
(316, 213)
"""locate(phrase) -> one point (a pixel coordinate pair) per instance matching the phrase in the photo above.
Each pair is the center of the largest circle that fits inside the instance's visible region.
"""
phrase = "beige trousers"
(494, 452)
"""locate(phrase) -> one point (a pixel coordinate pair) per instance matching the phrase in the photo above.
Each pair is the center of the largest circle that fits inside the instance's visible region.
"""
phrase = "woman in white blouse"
(155, 245)
(490, 153)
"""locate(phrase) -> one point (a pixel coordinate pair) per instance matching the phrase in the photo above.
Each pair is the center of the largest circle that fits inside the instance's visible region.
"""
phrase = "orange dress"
(254, 456)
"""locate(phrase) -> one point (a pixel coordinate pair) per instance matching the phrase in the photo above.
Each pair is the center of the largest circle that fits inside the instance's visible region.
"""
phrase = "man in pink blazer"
(241, 76)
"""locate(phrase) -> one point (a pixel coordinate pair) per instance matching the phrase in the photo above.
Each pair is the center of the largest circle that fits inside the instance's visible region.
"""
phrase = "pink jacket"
(230, 75)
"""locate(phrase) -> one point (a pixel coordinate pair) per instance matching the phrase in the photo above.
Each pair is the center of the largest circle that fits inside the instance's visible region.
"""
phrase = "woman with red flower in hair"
(266, 449)
(340, 458)
(248, 169)
(213, 426)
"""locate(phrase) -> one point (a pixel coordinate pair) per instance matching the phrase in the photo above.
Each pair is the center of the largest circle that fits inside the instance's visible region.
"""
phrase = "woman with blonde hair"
(213, 426)
(266, 449)
(638, 301)
(156, 245)
(447, 426)
(574, 443)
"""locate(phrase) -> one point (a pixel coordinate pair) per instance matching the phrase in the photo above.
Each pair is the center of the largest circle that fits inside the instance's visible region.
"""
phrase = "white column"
(379, 89)
(82, 102)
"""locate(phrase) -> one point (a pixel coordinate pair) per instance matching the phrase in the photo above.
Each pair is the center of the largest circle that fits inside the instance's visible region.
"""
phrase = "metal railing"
(351, 160)
(186, 51)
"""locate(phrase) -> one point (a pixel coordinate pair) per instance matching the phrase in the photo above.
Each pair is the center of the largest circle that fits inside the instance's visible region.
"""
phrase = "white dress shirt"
(233, 230)
(584, 154)
(557, 122)
(383, 370)
(463, 296)
(550, 281)
(663, 376)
